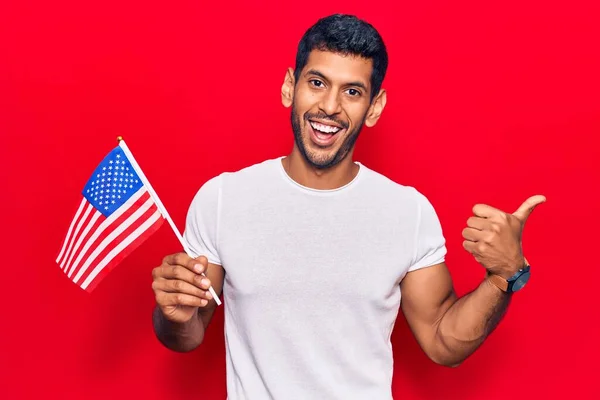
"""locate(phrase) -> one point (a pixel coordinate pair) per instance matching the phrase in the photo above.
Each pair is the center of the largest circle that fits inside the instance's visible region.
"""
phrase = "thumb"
(527, 207)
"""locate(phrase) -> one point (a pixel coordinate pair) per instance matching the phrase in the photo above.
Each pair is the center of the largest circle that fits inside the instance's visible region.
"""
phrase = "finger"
(478, 223)
(473, 235)
(198, 265)
(178, 272)
(177, 259)
(165, 299)
(528, 206)
(470, 246)
(485, 211)
(178, 286)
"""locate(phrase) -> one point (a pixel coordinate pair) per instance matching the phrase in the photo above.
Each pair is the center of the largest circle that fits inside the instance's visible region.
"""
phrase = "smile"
(322, 128)
(323, 135)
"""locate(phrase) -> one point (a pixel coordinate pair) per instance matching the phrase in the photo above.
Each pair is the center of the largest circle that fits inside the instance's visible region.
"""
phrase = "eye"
(316, 83)
(353, 92)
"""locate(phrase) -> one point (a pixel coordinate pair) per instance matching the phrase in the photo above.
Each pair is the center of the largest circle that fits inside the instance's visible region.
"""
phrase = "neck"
(321, 179)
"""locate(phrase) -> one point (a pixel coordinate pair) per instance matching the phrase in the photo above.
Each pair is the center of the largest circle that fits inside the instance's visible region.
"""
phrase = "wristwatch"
(514, 283)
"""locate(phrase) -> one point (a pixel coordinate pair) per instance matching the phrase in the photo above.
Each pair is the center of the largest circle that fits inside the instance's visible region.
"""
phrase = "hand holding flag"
(119, 210)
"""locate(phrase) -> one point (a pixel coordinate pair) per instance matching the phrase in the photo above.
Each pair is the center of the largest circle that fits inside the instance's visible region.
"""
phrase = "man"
(314, 251)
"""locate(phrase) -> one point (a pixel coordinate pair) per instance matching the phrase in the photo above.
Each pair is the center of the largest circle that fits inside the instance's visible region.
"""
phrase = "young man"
(314, 251)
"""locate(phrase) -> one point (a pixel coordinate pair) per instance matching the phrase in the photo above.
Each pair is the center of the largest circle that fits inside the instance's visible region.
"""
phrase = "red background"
(486, 103)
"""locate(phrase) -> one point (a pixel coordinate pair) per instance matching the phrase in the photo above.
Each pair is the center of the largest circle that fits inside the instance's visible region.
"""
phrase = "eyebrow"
(320, 75)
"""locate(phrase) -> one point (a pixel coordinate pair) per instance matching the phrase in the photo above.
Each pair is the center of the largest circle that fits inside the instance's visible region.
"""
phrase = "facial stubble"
(310, 156)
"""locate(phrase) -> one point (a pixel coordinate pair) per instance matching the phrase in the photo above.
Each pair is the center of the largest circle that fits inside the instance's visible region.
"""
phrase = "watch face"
(520, 282)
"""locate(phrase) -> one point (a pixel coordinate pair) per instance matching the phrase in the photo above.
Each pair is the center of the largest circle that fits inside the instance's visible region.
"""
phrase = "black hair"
(347, 35)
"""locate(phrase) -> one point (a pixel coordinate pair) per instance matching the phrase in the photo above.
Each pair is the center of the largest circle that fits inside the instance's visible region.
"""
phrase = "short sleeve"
(430, 244)
(202, 221)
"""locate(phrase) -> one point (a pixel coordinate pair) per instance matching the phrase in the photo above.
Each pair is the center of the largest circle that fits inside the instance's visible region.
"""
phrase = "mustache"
(326, 117)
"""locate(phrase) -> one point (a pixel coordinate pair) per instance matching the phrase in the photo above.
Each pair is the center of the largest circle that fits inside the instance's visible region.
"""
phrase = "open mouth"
(323, 134)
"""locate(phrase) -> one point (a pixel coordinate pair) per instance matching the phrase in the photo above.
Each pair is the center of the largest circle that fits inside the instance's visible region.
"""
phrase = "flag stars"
(113, 179)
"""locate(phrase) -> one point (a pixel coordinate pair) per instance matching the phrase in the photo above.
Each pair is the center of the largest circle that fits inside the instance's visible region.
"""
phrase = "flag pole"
(160, 206)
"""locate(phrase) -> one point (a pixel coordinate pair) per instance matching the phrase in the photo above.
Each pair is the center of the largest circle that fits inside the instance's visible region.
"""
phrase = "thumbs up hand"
(494, 237)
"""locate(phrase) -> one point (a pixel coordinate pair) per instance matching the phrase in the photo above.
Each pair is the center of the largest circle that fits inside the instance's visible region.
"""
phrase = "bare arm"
(449, 329)
(184, 306)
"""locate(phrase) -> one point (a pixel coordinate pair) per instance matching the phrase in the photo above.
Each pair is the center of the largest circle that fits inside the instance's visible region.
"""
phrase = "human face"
(330, 104)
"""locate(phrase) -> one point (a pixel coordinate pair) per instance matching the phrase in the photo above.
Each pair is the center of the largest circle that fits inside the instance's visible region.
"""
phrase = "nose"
(330, 103)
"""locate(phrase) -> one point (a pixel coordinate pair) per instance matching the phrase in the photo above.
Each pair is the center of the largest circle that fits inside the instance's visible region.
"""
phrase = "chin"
(321, 163)
(320, 158)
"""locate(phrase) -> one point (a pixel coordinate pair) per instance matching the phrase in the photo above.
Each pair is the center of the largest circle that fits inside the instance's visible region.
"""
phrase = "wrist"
(176, 327)
(508, 271)
(510, 284)
(496, 283)
(178, 336)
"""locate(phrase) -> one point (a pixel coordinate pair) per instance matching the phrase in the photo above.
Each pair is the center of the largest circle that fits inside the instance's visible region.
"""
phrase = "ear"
(287, 89)
(376, 108)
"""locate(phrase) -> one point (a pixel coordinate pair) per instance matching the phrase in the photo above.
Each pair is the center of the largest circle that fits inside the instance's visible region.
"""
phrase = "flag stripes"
(88, 254)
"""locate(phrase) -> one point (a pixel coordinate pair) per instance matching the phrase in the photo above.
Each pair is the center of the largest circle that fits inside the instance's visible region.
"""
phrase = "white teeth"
(324, 128)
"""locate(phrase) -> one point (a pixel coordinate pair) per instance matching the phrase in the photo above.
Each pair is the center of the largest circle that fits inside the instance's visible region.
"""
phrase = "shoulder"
(405, 195)
(246, 176)
(255, 171)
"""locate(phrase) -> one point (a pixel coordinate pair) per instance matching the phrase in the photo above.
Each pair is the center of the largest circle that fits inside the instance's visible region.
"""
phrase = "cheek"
(356, 113)
(305, 100)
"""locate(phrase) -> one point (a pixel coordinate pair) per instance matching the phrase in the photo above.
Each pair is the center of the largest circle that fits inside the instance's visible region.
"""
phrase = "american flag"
(116, 215)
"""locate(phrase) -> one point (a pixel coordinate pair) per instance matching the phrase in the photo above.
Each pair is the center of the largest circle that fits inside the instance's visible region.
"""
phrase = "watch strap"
(498, 281)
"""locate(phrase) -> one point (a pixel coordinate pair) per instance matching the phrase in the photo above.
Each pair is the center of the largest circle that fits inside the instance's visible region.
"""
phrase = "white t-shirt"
(311, 290)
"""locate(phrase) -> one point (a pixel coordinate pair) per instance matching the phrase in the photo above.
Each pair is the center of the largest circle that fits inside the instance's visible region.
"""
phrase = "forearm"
(466, 324)
(181, 337)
